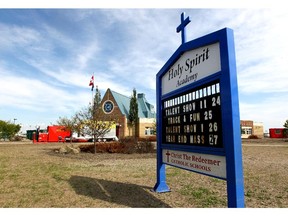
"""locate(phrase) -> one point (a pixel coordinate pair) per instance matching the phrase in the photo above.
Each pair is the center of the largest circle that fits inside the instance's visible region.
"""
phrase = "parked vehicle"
(55, 133)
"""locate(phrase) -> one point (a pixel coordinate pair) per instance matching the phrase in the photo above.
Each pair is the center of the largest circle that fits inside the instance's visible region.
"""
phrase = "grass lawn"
(35, 176)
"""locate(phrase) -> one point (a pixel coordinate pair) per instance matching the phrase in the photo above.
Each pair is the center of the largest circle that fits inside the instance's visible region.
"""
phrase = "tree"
(93, 120)
(8, 130)
(70, 124)
(97, 99)
(133, 111)
(285, 131)
(286, 124)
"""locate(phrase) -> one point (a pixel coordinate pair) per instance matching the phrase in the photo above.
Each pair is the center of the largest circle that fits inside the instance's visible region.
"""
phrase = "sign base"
(161, 187)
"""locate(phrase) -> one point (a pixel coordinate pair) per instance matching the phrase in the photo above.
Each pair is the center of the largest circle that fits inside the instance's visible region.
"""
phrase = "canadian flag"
(92, 83)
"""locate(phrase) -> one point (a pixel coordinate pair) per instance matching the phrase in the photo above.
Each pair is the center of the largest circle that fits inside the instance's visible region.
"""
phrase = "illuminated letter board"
(198, 123)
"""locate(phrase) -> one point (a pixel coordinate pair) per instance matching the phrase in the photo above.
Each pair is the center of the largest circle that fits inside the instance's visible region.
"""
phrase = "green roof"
(145, 109)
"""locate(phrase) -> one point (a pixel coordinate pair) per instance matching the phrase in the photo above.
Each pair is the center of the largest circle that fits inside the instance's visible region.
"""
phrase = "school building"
(248, 128)
(118, 105)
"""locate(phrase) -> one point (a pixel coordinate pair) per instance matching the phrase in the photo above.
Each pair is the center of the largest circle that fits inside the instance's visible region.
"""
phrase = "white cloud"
(261, 50)
(105, 80)
(272, 111)
(36, 95)
(17, 36)
(86, 54)
(37, 48)
(146, 46)
(126, 48)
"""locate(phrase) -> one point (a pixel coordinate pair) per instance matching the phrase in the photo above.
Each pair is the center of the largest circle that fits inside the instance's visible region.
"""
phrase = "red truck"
(55, 133)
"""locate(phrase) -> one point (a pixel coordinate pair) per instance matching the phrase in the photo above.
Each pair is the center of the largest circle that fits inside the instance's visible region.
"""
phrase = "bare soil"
(33, 175)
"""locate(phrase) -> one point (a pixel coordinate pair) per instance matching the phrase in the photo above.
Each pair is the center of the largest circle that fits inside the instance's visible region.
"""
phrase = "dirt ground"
(266, 172)
(33, 175)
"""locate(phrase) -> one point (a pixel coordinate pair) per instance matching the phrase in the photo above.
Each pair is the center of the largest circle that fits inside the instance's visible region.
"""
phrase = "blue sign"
(198, 124)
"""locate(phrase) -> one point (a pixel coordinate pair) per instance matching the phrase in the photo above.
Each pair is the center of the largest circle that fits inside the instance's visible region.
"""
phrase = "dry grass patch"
(36, 176)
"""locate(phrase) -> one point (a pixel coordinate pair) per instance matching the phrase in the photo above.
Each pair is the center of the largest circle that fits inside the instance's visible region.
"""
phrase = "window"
(246, 130)
(277, 131)
(148, 131)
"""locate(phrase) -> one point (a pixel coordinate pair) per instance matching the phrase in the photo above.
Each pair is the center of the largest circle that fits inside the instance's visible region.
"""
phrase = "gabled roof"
(122, 101)
(145, 109)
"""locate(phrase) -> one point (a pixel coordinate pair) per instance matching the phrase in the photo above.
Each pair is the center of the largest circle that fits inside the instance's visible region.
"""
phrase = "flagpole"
(93, 90)
(92, 97)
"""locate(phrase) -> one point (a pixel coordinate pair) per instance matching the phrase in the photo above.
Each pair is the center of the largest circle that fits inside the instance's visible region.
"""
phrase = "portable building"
(278, 132)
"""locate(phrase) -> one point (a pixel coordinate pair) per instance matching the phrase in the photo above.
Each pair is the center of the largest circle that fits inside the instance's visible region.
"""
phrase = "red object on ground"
(276, 132)
(55, 133)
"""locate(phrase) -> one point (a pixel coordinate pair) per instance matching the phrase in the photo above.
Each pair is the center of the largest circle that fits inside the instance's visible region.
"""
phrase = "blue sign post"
(198, 123)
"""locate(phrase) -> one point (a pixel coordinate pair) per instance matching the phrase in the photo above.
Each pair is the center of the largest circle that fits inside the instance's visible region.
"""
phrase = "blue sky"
(47, 57)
